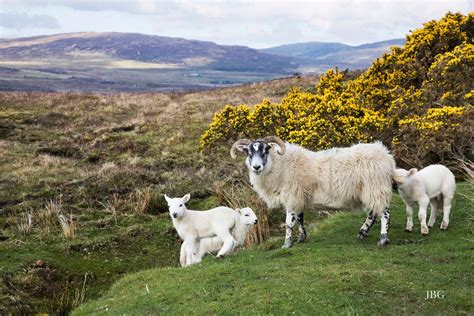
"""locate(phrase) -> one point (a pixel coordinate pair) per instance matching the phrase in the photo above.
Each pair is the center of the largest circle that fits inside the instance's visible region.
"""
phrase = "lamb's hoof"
(287, 245)
(444, 226)
(383, 240)
(425, 231)
(408, 230)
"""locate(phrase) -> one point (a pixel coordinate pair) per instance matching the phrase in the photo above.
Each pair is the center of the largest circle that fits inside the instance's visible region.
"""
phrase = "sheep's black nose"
(256, 221)
(257, 167)
(175, 215)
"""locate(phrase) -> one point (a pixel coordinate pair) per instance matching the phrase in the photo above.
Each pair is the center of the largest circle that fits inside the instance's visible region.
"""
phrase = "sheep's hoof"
(444, 226)
(302, 238)
(287, 244)
(362, 234)
(425, 231)
(383, 240)
(408, 230)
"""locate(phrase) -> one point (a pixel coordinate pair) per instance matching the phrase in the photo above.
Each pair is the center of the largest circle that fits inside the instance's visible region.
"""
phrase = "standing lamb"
(246, 218)
(195, 225)
(296, 178)
(435, 185)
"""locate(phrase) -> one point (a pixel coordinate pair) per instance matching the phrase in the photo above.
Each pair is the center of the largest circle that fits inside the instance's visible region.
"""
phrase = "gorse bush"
(418, 100)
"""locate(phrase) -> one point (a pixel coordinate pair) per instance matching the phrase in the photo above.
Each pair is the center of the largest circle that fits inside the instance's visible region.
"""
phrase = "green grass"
(333, 273)
(89, 150)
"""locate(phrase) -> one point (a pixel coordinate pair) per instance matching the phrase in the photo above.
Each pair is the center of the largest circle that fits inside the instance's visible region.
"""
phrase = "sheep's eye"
(247, 214)
(180, 205)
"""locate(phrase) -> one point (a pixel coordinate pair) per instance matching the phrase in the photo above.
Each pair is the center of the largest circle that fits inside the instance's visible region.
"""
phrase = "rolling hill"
(108, 62)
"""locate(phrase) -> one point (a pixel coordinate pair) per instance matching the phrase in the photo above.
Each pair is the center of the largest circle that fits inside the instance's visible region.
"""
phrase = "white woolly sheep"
(434, 185)
(195, 225)
(296, 178)
(245, 220)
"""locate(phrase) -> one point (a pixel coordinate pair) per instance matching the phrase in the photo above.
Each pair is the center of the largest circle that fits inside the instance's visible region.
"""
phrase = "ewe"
(435, 185)
(192, 226)
(296, 178)
(246, 218)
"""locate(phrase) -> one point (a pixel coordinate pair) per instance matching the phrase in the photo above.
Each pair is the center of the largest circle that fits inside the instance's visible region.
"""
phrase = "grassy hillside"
(333, 273)
(102, 161)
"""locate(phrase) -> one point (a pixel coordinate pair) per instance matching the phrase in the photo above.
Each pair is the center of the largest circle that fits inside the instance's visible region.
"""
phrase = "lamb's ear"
(167, 198)
(238, 210)
(186, 198)
(412, 171)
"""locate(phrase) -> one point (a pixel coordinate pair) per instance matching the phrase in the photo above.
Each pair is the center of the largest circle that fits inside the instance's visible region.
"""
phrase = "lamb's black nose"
(256, 221)
(175, 215)
(257, 167)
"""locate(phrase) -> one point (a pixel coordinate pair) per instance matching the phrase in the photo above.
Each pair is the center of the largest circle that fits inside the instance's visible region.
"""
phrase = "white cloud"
(20, 21)
(255, 23)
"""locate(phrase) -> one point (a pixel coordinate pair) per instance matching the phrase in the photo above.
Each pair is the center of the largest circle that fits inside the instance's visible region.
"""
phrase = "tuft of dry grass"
(68, 225)
(25, 224)
(47, 216)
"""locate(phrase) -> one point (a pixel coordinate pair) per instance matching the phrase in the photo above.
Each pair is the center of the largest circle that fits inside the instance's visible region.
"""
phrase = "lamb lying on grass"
(435, 185)
(192, 226)
(245, 220)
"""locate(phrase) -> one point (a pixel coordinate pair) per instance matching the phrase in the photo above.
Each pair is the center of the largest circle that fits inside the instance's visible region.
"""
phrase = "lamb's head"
(247, 216)
(259, 152)
(402, 176)
(177, 206)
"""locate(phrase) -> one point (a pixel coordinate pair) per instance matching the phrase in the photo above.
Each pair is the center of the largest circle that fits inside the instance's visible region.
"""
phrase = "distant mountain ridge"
(328, 55)
(108, 62)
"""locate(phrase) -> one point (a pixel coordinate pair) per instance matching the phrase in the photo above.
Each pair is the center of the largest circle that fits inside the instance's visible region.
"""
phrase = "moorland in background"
(128, 62)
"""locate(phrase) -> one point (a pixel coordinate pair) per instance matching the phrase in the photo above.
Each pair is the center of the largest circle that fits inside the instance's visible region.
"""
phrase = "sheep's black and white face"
(247, 216)
(177, 206)
(258, 157)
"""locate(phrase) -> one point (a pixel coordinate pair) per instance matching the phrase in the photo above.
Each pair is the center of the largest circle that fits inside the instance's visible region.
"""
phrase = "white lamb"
(245, 220)
(434, 185)
(297, 178)
(195, 225)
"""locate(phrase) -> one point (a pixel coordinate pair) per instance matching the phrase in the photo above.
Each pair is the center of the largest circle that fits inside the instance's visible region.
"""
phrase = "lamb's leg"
(289, 223)
(182, 255)
(385, 225)
(422, 216)
(369, 222)
(189, 248)
(447, 200)
(434, 211)
(409, 226)
(227, 247)
(196, 255)
(301, 228)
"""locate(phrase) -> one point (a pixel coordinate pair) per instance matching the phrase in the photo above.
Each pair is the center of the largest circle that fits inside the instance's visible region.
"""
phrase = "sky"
(257, 23)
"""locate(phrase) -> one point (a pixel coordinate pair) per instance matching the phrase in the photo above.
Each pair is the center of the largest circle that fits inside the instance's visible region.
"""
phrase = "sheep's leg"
(434, 210)
(289, 223)
(385, 225)
(422, 216)
(446, 210)
(369, 222)
(182, 255)
(228, 245)
(409, 226)
(301, 228)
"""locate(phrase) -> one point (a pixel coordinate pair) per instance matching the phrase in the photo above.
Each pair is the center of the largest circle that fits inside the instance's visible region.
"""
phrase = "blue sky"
(258, 23)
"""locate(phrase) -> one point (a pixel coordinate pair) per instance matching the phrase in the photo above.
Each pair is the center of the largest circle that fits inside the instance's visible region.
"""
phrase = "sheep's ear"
(412, 171)
(167, 198)
(186, 198)
(238, 210)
